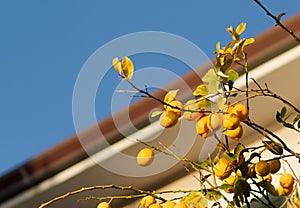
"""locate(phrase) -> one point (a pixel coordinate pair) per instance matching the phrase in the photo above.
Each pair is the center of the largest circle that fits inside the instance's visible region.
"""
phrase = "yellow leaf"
(249, 41)
(156, 113)
(170, 96)
(221, 103)
(117, 65)
(201, 90)
(127, 67)
(241, 28)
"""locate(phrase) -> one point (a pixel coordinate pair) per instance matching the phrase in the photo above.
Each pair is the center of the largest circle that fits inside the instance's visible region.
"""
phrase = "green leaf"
(232, 76)
(297, 118)
(201, 90)
(213, 195)
(229, 156)
(269, 187)
(204, 103)
(212, 80)
(195, 200)
(274, 147)
(283, 112)
(278, 117)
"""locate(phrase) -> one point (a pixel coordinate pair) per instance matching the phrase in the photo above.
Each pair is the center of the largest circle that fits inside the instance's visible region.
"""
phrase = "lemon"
(274, 166)
(103, 205)
(145, 157)
(154, 206)
(180, 205)
(284, 191)
(223, 169)
(169, 204)
(168, 119)
(147, 201)
(231, 121)
(262, 168)
(241, 111)
(202, 127)
(286, 180)
(236, 133)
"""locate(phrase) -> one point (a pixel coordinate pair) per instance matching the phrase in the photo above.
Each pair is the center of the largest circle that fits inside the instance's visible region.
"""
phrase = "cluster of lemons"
(150, 202)
(231, 122)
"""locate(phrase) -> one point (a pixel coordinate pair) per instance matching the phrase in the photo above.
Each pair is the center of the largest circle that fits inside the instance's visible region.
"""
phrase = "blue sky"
(44, 45)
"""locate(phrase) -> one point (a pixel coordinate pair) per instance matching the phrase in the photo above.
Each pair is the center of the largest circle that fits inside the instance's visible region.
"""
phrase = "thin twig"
(277, 20)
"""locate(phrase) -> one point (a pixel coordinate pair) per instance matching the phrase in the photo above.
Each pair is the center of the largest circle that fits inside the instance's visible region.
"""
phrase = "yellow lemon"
(241, 111)
(180, 205)
(145, 157)
(202, 127)
(262, 168)
(284, 191)
(147, 201)
(236, 133)
(274, 166)
(155, 206)
(168, 119)
(231, 121)
(286, 180)
(103, 205)
(223, 169)
(169, 204)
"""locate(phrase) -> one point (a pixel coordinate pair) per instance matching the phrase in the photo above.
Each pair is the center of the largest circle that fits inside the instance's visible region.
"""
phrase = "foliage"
(235, 176)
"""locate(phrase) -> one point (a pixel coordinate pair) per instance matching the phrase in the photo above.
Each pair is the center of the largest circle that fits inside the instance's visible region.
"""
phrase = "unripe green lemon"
(262, 168)
(274, 166)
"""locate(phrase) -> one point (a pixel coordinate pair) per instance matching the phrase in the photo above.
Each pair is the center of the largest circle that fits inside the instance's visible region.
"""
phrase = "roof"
(268, 45)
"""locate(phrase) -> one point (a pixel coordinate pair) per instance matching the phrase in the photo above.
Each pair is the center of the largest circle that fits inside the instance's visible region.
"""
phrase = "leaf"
(221, 103)
(297, 118)
(195, 200)
(204, 103)
(248, 41)
(156, 113)
(201, 90)
(273, 147)
(170, 96)
(213, 81)
(213, 195)
(283, 112)
(117, 65)
(240, 28)
(269, 187)
(232, 76)
(127, 67)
